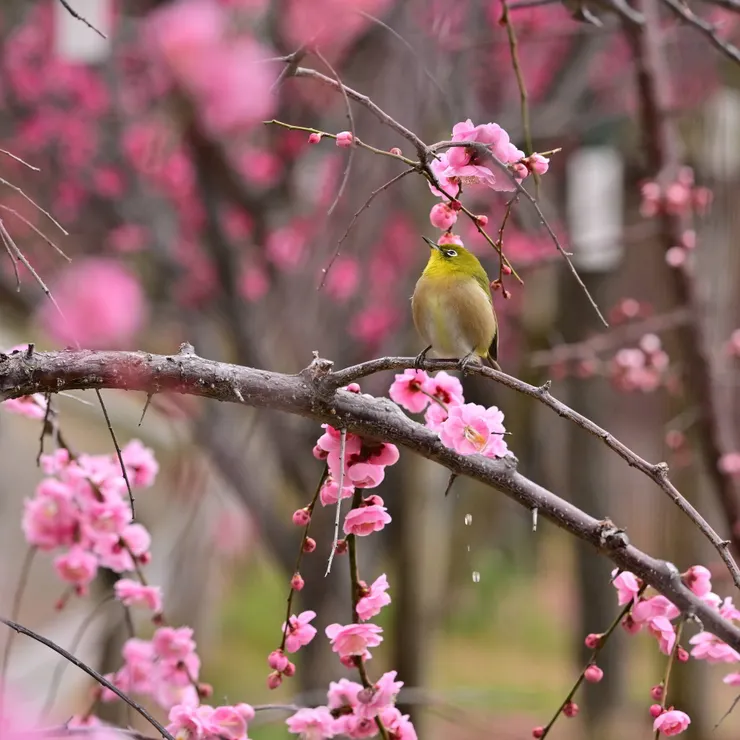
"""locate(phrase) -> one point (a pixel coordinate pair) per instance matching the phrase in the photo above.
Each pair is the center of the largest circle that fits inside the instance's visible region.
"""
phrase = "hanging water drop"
(476, 576)
(468, 520)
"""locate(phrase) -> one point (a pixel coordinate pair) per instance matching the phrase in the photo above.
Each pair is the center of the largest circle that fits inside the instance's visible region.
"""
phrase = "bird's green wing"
(482, 280)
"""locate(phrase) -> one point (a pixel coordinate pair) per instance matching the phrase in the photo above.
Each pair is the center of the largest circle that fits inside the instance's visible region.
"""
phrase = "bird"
(452, 307)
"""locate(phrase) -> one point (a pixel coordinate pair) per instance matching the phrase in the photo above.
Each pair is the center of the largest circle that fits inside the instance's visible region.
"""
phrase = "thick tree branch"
(312, 394)
(662, 144)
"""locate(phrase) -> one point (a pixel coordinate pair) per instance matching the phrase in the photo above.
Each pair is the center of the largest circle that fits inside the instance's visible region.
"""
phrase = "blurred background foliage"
(191, 220)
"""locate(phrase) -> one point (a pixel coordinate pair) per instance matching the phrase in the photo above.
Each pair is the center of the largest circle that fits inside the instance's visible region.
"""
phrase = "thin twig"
(340, 483)
(56, 677)
(78, 17)
(688, 15)
(35, 205)
(351, 119)
(365, 205)
(668, 669)
(37, 230)
(18, 159)
(15, 613)
(119, 454)
(102, 680)
(13, 259)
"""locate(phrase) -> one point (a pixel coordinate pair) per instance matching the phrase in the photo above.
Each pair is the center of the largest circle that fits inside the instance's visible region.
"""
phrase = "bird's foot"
(466, 362)
(421, 358)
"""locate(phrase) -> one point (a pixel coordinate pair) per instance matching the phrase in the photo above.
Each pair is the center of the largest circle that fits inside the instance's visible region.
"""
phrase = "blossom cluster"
(679, 198)
(656, 615)
(467, 428)
(464, 165)
(642, 368)
(82, 507)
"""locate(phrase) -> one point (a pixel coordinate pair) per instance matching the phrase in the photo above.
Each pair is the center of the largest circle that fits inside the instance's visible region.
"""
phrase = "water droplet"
(468, 519)
(476, 576)
(468, 548)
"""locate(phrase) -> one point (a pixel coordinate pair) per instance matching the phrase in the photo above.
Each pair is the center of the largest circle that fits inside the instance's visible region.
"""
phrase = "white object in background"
(722, 135)
(74, 41)
(595, 202)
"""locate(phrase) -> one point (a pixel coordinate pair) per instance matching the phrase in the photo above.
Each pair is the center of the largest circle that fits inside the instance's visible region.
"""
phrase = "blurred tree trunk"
(590, 489)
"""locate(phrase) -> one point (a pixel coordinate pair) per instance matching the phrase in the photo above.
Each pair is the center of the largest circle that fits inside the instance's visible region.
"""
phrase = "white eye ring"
(450, 252)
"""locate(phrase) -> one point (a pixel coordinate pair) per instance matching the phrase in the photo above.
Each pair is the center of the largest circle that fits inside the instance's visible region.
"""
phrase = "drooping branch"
(314, 393)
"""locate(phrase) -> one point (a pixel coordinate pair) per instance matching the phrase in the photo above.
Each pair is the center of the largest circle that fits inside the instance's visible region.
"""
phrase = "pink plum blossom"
(408, 390)
(382, 694)
(627, 585)
(366, 520)
(712, 649)
(141, 465)
(442, 216)
(365, 475)
(343, 693)
(374, 600)
(102, 305)
(329, 493)
(312, 724)
(77, 566)
(131, 593)
(445, 388)
(300, 632)
(699, 580)
(662, 629)
(32, 407)
(50, 518)
(471, 429)
(344, 139)
(672, 722)
(354, 639)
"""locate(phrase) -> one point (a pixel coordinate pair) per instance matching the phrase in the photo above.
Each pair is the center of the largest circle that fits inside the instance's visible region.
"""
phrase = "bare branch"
(81, 18)
(313, 394)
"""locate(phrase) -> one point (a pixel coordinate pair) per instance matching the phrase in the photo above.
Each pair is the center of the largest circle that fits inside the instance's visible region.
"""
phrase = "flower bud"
(289, 669)
(538, 732)
(682, 655)
(657, 692)
(301, 517)
(396, 151)
(482, 220)
(341, 547)
(593, 674)
(344, 139)
(570, 709)
(593, 641)
(277, 660)
(296, 582)
(314, 138)
(656, 710)
(274, 680)
(309, 544)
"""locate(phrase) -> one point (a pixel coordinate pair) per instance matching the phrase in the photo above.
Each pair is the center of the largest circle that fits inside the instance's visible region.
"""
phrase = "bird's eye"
(450, 252)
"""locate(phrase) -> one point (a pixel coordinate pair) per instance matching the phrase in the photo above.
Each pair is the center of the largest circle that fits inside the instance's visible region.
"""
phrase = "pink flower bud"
(630, 626)
(274, 680)
(344, 139)
(348, 661)
(366, 695)
(538, 732)
(205, 690)
(296, 582)
(277, 660)
(482, 220)
(442, 216)
(289, 669)
(656, 710)
(373, 500)
(592, 641)
(675, 439)
(301, 517)
(341, 547)
(314, 138)
(538, 164)
(506, 270)
(456, 205)
(570, 709)
(519, 170)
(682, 655)
(309, 544)
(657, 692)
(396, 151)
(353, 388)
(593, 674)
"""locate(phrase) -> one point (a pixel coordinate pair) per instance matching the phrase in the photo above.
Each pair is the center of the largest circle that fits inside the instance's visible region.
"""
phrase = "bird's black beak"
(432, 244)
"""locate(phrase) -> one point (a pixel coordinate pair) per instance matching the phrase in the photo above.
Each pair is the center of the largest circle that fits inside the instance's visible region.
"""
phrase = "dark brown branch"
(81, 18)
(662, 143)
(312, 394)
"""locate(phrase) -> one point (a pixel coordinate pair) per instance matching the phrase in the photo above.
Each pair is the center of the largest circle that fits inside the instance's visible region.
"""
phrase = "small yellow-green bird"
(453, 309)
